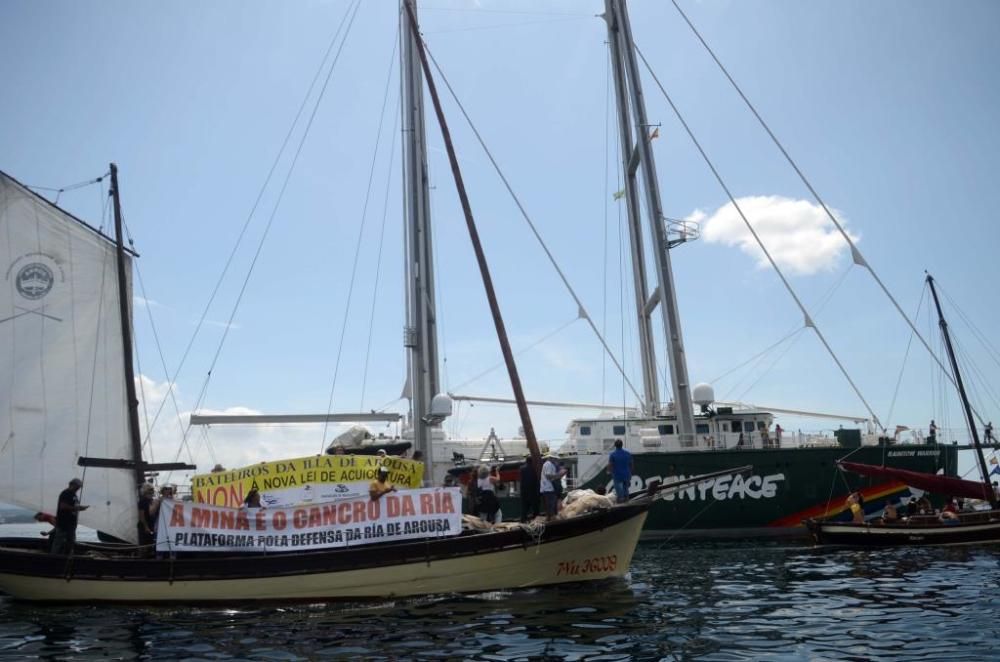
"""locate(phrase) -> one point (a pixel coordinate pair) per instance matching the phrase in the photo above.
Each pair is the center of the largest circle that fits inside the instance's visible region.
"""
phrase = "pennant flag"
(993, 460)
(995, 471)
(619, 194)
(655, 134)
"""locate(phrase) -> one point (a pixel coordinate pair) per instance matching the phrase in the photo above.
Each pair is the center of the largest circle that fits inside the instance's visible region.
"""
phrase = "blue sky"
(889, 108)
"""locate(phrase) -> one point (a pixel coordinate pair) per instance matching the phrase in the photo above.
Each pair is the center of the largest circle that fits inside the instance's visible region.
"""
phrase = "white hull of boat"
(598, 555)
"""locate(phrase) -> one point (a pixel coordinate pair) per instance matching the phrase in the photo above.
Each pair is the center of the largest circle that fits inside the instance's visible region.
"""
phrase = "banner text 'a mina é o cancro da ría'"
(420, 513)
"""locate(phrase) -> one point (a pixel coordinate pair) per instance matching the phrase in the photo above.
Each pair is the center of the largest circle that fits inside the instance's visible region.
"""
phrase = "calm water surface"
(710, 601)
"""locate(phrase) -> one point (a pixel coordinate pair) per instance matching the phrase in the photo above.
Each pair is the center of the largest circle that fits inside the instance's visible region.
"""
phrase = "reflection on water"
(682, 601)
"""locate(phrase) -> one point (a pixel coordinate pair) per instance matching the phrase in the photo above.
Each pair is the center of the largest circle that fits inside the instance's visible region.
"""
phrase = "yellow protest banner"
(299, 480)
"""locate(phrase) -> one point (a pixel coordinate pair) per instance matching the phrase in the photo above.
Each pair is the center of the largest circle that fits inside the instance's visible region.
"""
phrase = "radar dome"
(703, 395)
(441, 406)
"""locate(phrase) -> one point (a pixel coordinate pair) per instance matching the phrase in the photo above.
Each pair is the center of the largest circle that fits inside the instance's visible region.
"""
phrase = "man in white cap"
(64, 535)
(381, 485)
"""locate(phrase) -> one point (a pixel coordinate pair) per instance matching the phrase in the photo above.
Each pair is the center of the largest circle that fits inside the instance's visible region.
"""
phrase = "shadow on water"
(713, 601)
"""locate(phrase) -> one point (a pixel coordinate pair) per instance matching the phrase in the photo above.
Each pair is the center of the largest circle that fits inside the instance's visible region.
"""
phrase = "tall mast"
(636, 154)
(961, 391)
(135, 438)
(508, 355)
(420, 333)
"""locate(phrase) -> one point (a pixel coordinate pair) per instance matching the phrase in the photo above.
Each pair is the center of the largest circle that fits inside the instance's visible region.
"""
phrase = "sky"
(888, 108)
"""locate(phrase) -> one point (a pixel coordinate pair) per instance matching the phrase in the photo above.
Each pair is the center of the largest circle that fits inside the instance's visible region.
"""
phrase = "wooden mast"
(135, 437)
(961, 392)
(508, 356)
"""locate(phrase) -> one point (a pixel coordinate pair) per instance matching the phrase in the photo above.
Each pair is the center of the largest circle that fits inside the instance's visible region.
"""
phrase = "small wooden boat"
(598, 545)
(960, 528)
(44, 238)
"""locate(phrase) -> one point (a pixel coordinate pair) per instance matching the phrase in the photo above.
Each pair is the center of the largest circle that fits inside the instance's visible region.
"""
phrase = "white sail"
(62, 378)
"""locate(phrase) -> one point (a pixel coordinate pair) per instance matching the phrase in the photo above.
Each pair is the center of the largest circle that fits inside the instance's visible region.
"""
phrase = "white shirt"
(485, 484)
(549, 473)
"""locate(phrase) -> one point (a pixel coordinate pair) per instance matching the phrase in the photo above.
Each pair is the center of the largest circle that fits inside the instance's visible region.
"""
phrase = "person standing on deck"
(777, 435)
(550, 474)
(620, 466)
(146, 523)
(530, 491)
(932, 432)
(64, 535)
(988, 434)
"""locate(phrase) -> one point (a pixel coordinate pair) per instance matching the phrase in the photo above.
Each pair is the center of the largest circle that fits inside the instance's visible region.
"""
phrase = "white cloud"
(142, 302)
(797, 233)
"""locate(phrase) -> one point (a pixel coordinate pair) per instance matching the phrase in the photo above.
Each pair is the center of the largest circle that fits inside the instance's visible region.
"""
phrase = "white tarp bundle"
(62, 384)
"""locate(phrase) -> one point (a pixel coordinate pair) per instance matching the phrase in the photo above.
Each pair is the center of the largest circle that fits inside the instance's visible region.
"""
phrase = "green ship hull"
(784, 487)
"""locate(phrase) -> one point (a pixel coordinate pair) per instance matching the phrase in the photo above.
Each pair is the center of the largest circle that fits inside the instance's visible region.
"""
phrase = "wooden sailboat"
(592, 546)
(962, 528)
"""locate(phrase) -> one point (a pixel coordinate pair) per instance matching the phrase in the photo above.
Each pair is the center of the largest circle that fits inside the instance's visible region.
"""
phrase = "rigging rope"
(855, 252)
(519, 352)
(809, 322)
(902, 368)
(163, 364)
(378, 260)
(357, 245)
(765, 372)
(250, 216)
(71, 187)
(524, 214)
(277, 203)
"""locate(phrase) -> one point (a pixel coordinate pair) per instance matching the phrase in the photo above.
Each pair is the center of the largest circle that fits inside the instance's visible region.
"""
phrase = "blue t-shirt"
(621, 464)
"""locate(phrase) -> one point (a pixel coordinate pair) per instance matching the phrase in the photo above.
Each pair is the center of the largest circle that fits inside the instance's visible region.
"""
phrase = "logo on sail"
(34, 281)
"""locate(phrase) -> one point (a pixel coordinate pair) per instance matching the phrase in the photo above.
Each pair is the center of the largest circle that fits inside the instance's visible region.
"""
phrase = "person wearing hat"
(381, 485)
(64, 535)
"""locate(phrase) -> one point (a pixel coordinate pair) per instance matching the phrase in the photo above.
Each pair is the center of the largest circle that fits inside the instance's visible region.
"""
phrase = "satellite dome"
(703, 395)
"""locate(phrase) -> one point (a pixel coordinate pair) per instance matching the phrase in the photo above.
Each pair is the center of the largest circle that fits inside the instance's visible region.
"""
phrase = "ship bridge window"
(584, 430)
(701, 428)
(618, 429)
(665, 429)
(748, 426)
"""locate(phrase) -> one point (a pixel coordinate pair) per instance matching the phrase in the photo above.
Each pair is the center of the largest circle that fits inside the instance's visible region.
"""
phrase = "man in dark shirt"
(621, 466)
(147, 526)
(64, 535)
(529, 486)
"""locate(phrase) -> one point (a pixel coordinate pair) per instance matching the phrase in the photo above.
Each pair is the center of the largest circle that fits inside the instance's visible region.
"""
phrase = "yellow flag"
(619, 194)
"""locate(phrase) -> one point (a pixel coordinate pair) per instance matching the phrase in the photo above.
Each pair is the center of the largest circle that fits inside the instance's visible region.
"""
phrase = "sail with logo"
(62, 378)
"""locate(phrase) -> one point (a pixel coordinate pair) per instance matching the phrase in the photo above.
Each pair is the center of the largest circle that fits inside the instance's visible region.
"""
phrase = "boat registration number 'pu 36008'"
(608, 563)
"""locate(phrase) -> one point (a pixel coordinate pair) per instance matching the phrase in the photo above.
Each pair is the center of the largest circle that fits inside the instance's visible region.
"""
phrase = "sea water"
(707, 601)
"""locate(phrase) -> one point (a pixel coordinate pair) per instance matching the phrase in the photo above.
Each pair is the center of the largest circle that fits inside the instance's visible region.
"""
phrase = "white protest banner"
(421, 513)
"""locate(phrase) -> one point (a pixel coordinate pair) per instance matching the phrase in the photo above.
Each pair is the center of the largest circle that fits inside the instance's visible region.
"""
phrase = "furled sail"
(944, 485)
(62, 379)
